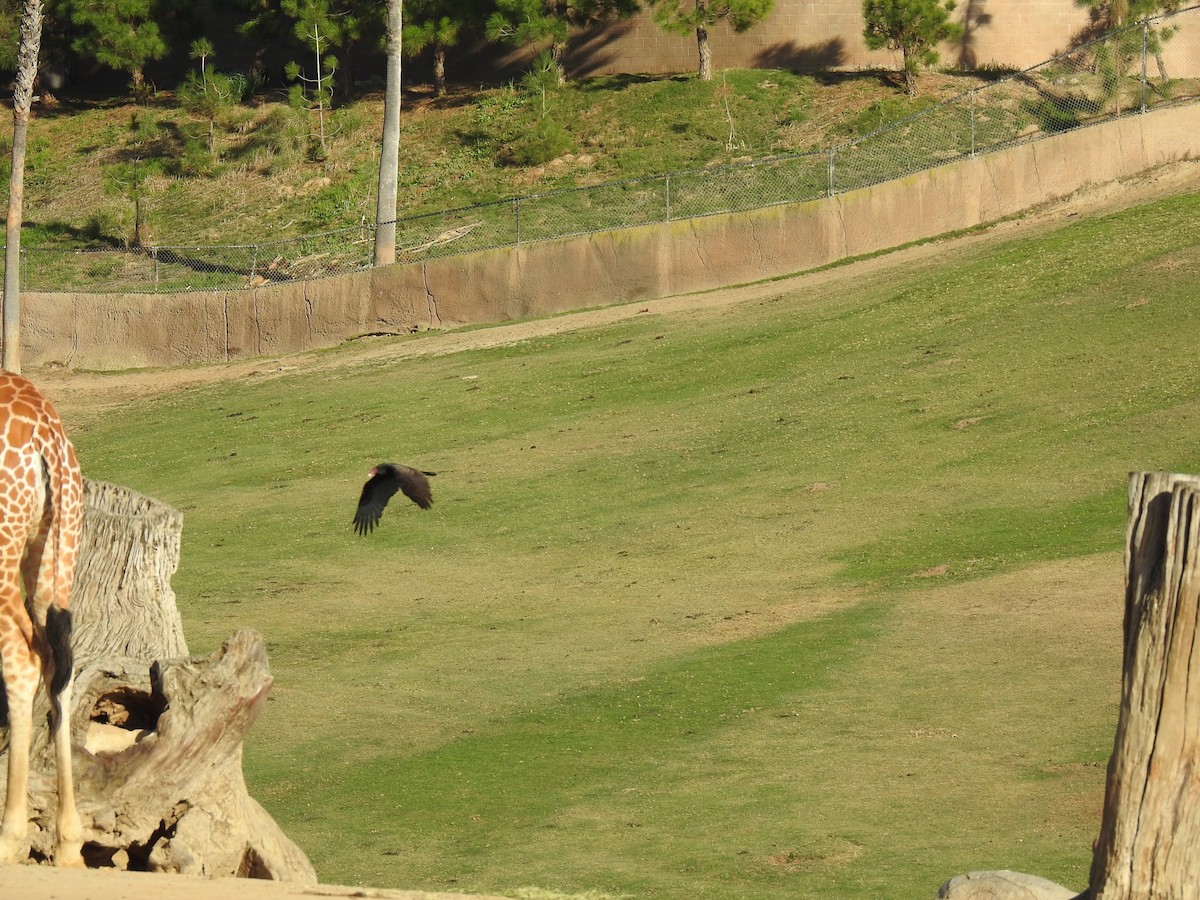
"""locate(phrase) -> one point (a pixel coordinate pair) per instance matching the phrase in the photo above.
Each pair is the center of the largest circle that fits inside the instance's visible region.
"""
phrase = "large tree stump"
(160, 783)
(157, 736)
(1149, 843)
(122, 603)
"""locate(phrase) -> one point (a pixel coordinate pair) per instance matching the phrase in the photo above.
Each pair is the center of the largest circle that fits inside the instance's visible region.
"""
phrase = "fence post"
(667, 198)
(254, 263)
(972, 95)
(830, 171)
(517, 206)
(154, 257)
(1145, 54)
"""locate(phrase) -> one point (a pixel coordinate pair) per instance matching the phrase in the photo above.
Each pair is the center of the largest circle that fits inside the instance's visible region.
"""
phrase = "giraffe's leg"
(20, 684)
(53, 644)
(70, 829)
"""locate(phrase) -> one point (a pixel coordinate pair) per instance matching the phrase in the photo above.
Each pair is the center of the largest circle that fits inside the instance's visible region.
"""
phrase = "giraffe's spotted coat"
(41, 516)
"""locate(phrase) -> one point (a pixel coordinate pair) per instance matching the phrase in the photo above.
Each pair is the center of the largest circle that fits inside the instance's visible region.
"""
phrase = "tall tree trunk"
(1150, 830)
(558, 53)
(27, 64)
(706, 66)
(910, 72)
(439, 70)
(137, 78)
(389, 153)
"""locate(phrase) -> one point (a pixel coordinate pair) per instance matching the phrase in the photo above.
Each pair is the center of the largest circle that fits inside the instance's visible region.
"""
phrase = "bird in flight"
(385, 480)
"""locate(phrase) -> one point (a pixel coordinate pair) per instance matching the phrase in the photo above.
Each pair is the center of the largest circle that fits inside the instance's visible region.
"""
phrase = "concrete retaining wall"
(109, 331)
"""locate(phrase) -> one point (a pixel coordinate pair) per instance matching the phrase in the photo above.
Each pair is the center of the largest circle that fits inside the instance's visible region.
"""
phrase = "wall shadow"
(974, 18)
(811, 58)
(590, 51)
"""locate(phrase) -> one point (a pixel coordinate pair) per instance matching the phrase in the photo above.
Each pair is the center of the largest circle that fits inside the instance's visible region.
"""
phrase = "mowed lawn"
(817, 595)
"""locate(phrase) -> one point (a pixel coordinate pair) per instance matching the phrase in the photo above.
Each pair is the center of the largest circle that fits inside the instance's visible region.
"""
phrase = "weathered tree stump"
(157, 736)
(1149, 844)
(160, 783)
(122, 603)
(1150, 830)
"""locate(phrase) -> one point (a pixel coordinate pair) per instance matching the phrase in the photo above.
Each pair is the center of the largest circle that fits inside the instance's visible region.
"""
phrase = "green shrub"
(886, 112)
(547, 141)
(104, 226)
(244, 84)
(143, 125)
(194, 159)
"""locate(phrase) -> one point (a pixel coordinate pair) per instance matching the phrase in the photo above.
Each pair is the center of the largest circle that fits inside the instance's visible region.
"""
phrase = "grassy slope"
(661, 634)
(266, 184)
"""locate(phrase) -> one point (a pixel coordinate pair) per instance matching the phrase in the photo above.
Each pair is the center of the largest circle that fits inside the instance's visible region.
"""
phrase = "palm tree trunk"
(27, 64)
(389, 153)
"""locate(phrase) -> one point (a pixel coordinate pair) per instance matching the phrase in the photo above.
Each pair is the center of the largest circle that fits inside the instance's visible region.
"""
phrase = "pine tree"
(914, 27)
(206, 94)
(687, 16)
(439, 25)
(123, 36)
(539, 22)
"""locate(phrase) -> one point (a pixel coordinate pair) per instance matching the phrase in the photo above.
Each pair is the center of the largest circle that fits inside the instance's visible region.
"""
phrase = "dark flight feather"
(385, 480)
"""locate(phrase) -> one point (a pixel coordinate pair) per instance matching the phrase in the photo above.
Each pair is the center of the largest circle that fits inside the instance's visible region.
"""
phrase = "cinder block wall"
(815, 35)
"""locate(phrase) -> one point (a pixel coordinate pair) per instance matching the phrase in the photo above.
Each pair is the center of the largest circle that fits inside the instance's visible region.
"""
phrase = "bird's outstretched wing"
(385, 480)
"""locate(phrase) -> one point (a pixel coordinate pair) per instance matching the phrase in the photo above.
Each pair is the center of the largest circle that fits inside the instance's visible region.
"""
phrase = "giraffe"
(41, 515)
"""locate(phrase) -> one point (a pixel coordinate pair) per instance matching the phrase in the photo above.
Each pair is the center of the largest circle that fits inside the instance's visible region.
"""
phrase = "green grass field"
(816, 596)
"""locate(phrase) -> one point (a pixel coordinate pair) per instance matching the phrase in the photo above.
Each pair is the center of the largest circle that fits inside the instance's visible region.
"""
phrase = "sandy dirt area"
(82, 396)
(44, 883)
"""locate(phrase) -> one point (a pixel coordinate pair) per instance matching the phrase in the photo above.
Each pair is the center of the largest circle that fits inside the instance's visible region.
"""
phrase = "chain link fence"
(1144, 66)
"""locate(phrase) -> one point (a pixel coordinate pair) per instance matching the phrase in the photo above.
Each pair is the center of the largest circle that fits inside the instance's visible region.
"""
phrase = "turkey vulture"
(385, 480)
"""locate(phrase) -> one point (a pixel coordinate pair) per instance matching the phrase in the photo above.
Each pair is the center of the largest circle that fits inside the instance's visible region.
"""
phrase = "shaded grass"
(662, 633)
(619, 759)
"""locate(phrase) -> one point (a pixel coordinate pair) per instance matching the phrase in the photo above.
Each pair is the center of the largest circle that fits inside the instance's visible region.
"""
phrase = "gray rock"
(1003, 885)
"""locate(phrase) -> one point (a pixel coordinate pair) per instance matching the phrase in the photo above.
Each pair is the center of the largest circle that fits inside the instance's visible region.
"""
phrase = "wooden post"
(1149, 844)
